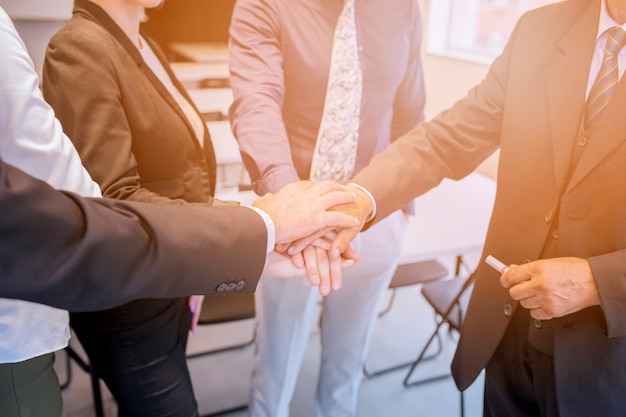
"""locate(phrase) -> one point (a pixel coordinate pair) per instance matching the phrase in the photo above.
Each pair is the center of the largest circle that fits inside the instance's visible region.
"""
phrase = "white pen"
(496, 264)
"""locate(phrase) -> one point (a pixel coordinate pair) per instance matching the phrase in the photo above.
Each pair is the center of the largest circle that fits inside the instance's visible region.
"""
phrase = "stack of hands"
(315, 223)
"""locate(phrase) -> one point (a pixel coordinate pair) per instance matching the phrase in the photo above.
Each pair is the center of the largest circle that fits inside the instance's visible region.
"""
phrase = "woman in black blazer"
(141, 138)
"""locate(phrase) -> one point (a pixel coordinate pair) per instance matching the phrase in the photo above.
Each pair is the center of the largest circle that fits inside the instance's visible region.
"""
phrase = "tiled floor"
(222, 381)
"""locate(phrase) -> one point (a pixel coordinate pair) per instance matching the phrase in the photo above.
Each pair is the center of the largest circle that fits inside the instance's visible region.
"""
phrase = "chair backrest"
(417, 273)
(449, 298)
(222, 308)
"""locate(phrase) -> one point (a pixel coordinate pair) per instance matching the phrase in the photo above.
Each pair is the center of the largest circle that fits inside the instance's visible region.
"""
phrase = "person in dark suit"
(63, 250)
(550, 331)
(142, 139)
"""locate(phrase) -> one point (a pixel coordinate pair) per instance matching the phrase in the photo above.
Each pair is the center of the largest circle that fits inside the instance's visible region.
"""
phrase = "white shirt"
(31, 139)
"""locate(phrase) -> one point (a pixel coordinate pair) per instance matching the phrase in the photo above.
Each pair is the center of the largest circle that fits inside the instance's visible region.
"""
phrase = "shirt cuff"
(371, 216)
(269, 225)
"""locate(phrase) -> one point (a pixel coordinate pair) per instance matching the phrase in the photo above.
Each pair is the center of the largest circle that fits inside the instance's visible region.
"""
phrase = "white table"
(201, 51)
(450, 219)
(212, 100)
(224, 143)
(196, 72)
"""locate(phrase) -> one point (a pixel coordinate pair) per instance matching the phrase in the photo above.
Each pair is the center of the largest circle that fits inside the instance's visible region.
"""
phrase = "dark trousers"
(519, 379)
(139, 351)
(30, 388)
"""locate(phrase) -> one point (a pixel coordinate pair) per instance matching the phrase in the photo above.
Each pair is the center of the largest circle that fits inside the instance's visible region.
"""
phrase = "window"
(474, 30)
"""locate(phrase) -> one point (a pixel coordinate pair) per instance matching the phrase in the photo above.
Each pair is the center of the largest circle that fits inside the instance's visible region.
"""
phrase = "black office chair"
(226, 308)
(406, 275)
(449, 300)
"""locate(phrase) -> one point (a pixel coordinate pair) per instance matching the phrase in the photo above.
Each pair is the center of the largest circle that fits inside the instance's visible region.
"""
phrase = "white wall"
(447, 80)
(36, 21)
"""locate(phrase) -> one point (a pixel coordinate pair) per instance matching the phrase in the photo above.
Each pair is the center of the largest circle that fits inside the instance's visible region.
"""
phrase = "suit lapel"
(96, 13)
(566, 81)
(610, 133)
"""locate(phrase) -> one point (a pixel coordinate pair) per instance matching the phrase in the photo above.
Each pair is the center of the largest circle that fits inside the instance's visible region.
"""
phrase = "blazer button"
(582, 141)
(508, 310)
(240, 285)
(548, 216)
(231, 286)
(222, 287)
(537, 323)
(555, 234)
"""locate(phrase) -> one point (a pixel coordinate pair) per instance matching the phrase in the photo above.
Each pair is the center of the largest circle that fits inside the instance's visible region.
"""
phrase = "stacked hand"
(322, 248)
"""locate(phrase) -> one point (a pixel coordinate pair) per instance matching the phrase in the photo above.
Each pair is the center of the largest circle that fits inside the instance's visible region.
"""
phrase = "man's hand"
(279, 265)
(301, 209)
(360, 209)
(552, 287)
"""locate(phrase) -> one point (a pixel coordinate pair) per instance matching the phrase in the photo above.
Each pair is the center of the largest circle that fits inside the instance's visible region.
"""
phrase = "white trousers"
(285, 309)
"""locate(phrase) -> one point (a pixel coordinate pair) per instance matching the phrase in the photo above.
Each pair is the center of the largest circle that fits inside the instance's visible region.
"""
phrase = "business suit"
(56, 247)
(137, 143)
(530, 105)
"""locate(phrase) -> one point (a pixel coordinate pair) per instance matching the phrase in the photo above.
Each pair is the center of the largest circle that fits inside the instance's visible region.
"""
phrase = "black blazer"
(63, 250)
(530, 105)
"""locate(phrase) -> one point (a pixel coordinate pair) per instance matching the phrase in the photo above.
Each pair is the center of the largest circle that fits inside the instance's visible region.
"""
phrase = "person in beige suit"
(550, 331)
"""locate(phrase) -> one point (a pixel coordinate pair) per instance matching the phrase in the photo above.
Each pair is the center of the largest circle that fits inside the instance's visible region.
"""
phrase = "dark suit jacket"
(131, 134)
(63, 250)
(530, 105)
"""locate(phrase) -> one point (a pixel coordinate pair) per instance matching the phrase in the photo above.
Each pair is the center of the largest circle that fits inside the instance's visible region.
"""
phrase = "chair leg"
(369, 374)
(68, 371)
(392, 297)
(95, 382)
(462, 405)
(421, 358)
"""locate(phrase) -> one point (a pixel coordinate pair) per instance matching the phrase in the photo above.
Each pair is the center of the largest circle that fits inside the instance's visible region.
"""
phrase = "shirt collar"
(606, 21)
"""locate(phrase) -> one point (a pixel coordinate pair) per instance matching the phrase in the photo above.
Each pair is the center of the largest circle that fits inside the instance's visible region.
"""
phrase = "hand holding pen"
(549, 287)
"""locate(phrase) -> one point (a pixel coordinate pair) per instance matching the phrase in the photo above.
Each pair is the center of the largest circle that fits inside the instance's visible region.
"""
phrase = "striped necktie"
(335, 150)
(607, 78)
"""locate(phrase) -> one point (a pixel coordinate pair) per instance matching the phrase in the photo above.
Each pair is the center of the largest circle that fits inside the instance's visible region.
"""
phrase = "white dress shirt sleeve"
(31, 138)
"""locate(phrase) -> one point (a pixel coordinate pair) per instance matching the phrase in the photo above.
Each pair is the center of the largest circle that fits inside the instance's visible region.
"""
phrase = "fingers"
(341, 243)
(339, 219)
(323, 268)
(335, 198)
(297, 260)
(310, 265)
(298, 245)
(324, 272)
(522, 290)
(350, 255)
(335, 273)
(514, 274)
